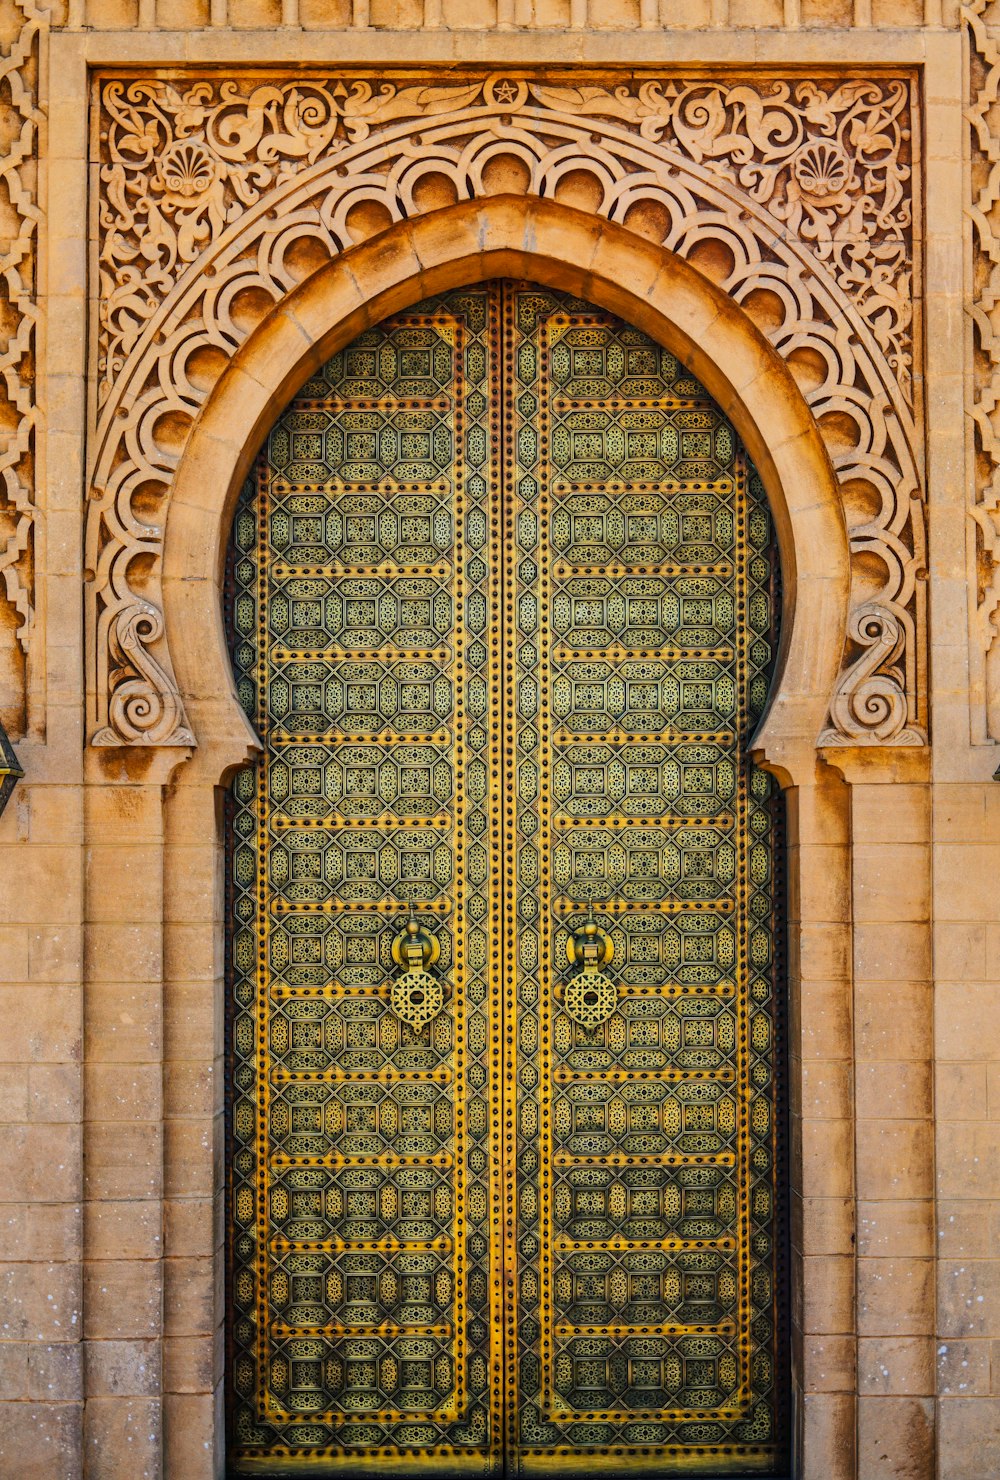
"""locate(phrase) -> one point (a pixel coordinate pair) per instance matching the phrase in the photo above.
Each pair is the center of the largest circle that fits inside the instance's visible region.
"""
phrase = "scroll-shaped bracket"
(590, 997)
(416, 996)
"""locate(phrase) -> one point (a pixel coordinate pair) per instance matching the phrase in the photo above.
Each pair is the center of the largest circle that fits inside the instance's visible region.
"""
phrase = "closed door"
(504, 899)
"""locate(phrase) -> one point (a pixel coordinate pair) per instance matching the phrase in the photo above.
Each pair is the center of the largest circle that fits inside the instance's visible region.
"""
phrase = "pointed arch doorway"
(505, 913)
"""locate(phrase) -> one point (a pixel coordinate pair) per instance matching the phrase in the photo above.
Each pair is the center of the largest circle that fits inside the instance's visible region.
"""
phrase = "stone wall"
(570, 16)
(110, 922)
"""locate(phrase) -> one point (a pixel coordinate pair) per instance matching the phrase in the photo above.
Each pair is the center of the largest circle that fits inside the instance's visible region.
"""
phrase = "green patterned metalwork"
(640, 635)
(10, 769)
(505, 1149)
(366, 1284)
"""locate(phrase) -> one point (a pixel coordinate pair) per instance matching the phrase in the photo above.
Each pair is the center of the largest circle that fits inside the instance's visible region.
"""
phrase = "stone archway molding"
(222, 200)
(561, 248)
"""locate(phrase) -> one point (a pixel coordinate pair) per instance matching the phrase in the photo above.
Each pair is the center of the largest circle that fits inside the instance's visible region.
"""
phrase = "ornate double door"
(504, 897)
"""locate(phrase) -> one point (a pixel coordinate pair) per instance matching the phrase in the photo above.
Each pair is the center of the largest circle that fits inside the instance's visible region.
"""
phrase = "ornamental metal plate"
(505, 1030)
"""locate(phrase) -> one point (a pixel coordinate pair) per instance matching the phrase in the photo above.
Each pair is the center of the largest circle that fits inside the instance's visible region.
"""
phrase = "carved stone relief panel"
(797, 196)
(984, 306)
(21, 27)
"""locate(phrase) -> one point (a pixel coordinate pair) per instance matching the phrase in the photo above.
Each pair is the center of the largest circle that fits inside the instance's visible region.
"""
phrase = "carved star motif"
(505, 92)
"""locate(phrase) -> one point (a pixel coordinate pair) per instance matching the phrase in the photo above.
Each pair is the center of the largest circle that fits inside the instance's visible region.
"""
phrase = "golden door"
(504, 896)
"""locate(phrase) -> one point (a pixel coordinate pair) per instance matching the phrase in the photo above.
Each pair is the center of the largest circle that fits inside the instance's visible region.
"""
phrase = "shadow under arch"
(559, 247)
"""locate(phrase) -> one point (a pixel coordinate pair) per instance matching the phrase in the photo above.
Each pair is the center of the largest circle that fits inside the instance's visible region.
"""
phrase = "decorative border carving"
(19, 66)
(984, 506)
(796, 196)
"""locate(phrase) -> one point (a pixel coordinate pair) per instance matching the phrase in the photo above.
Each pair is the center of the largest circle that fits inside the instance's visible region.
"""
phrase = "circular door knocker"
(589, 996)
(416, 996)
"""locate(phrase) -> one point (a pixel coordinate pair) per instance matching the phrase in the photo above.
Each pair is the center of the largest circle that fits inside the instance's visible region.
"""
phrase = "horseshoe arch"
(513, 237)
(243, 208)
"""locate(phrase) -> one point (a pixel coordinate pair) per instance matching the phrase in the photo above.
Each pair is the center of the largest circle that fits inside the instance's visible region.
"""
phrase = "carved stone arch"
(561, 248)
(236, 200)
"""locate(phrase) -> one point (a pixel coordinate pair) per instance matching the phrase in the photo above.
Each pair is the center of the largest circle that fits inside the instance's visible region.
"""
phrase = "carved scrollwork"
(144, 707)
(871, 697)
(212, 189)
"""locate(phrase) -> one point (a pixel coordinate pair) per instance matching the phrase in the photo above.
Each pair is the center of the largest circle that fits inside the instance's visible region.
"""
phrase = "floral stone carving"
(806, 187)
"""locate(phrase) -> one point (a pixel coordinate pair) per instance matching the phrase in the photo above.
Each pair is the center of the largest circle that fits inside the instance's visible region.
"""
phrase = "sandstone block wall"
(111, 1351)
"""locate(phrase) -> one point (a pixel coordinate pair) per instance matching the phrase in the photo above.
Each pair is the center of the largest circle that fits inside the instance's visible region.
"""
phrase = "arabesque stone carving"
(18, 407)
(796, 196)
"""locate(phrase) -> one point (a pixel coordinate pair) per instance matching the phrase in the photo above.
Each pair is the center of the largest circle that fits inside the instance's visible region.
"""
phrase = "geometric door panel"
(505, 1024)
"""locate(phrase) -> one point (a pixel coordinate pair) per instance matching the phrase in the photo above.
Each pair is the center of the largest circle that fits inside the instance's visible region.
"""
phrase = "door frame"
(676, 305)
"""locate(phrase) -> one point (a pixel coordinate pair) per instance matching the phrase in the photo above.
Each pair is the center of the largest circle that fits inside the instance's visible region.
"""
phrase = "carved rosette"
(799, 191)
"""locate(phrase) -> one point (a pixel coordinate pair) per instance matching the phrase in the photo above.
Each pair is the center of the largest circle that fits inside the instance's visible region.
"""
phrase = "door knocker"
(590, 997)
(416, 996)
